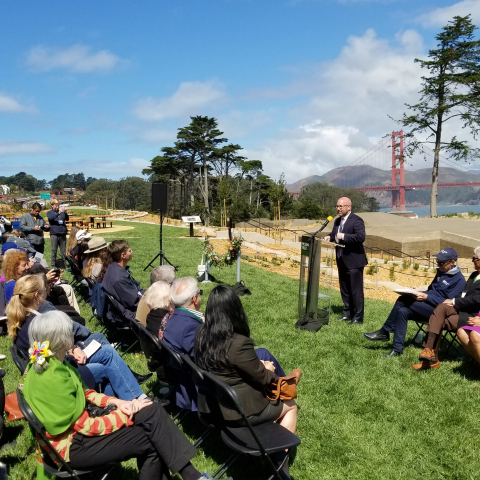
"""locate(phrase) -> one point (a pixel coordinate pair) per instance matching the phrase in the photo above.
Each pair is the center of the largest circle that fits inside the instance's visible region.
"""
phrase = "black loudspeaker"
(159, 197)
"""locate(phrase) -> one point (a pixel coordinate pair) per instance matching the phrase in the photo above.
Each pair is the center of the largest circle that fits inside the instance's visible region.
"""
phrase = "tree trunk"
(251, 190)
(192, 180)
(205, 193)
(436, 158)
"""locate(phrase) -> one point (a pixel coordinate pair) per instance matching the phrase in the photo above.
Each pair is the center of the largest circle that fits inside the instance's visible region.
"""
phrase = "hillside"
(365, 175)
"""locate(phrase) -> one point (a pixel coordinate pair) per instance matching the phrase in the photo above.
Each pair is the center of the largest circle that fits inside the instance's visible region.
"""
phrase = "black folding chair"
(19, 358)
(120, 326)
(79, 283)
(48, 464)
(449, 338)
(259, 440)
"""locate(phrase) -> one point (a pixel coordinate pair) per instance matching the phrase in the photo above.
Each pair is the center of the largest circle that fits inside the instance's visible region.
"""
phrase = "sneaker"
(426, 365)
(2, 356)
(427, 354)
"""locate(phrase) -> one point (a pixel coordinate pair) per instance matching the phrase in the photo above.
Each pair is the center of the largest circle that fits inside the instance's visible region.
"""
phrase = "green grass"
(360, 416)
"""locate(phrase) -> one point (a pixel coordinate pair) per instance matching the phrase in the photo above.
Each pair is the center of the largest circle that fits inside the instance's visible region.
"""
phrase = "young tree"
(451, 91)
(198, 141)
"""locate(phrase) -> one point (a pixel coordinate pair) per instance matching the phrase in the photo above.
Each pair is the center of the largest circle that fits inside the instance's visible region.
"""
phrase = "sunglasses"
(441, 264)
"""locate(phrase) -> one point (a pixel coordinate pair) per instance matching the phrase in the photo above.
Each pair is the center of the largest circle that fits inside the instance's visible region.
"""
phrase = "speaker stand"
(161, 254)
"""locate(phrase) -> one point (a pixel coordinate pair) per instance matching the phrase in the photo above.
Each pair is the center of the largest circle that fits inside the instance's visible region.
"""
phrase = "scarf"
(56, 395)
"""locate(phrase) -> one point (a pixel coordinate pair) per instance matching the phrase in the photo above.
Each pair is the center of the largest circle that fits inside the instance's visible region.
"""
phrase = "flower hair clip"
(39, 353)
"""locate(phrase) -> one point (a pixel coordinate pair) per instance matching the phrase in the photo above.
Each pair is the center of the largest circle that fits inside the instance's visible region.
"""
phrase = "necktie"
(340, 229)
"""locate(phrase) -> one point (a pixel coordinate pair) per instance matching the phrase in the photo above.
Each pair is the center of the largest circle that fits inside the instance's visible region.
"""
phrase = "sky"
(302, 85)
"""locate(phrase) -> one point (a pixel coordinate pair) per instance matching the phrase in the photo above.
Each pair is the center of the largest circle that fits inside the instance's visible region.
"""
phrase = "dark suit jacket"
(248, 377)
(354, 230)
(469, 305)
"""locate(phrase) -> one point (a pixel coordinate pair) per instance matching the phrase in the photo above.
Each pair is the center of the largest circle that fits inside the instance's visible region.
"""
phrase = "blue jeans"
(107, 365)
(406, 308)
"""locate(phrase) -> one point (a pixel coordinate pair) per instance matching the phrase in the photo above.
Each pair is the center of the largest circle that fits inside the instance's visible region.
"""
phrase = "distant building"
(4, 190)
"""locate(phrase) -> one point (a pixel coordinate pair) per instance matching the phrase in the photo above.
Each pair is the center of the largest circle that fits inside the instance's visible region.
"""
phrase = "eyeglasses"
(474, 259)
(441, 264)
(200, 292)
(342, 206)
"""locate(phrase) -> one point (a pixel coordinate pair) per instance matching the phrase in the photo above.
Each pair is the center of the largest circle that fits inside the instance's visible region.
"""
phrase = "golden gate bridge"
(391, 149)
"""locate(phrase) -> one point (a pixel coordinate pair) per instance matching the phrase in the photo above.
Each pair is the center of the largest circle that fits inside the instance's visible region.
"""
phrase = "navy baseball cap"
(446, 254)
(10, 245)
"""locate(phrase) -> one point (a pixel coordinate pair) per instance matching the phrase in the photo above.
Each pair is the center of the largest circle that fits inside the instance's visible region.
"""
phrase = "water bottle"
(418, 339)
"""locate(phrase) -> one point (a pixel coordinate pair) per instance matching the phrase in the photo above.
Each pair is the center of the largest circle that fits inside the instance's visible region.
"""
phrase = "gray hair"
(158, 296)
(476, 251)
(164, 273)
(183, 290)
(54, 327)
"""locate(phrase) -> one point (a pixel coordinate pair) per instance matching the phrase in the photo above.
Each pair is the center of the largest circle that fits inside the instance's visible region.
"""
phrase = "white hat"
(81, 234)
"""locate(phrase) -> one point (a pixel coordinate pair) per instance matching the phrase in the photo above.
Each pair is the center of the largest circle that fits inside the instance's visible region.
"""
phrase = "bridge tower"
(398, 195)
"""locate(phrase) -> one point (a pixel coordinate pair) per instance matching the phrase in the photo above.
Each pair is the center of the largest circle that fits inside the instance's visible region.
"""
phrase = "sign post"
(191, 220)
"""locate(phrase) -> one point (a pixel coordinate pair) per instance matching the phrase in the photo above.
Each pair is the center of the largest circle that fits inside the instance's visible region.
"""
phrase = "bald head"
(344, 206)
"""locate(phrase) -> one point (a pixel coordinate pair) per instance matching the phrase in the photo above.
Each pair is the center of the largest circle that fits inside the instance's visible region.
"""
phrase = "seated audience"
(178, 328)
(469, 336)
(163, 273)
(452, 314)
(83, 246)
(29, 300)
(97, 259)
(15, 264)
(223, 347)
(159, 302)
(448, 282)
(72, 240)
(136, 429)
(119, 283)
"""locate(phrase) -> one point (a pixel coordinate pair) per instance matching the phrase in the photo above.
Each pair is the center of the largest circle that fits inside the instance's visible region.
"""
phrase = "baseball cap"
(81, 234)
(24, 243)
(446, 254)
(10, 246)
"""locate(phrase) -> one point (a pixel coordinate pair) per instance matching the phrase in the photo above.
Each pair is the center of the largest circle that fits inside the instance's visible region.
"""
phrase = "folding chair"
(259, 440)
(119, 327)
(19, 358)
(49, 466)
(449, 338)
(79, 283)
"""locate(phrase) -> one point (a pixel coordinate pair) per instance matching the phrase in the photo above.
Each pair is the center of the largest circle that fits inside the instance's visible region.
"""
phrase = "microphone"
(325, 223)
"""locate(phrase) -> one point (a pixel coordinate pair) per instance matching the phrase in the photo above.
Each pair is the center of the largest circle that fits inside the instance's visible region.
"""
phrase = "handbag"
(285, 388)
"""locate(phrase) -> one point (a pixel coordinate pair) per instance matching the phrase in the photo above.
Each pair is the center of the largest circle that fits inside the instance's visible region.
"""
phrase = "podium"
(316, 274)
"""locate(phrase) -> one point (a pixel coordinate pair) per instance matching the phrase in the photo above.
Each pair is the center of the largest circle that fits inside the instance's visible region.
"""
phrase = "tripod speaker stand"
(160, 204)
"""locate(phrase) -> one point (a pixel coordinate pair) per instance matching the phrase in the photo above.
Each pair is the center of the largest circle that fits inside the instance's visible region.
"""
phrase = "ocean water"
(441, 209)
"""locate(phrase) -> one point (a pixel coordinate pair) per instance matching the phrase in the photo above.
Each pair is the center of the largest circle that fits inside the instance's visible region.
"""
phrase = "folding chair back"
(259, 440)
(19, 358)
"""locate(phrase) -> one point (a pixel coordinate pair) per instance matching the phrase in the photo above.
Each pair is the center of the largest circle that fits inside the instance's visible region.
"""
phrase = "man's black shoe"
(356, 322)
(343, 319)
(378, 336)
(2, 372)
(141, 378)
(392, 353)
(162, 401)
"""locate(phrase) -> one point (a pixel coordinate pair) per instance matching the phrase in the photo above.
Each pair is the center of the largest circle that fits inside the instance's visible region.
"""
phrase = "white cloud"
(191, 98)
(439, 17)
(75, 59)
(10, 105)
(347, 106)
(156, 136)
(10, 148)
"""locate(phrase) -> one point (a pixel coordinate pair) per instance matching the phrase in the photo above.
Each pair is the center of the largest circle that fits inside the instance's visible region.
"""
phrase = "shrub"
(405, 264)
(392, 273)
(385, 259)
(371, 269)
(416, 266)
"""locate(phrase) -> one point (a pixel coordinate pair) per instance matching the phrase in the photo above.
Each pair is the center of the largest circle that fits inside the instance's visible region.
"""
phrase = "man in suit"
(349, 230)
(452, 314)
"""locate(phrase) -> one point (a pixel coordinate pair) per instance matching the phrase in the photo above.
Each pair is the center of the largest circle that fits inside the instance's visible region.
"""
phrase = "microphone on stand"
(325, 223)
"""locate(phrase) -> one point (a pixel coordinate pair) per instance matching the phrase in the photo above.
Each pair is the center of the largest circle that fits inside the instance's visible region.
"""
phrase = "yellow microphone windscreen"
(330, 219)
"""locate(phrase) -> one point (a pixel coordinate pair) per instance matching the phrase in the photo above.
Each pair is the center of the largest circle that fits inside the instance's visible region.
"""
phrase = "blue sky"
(303, 85)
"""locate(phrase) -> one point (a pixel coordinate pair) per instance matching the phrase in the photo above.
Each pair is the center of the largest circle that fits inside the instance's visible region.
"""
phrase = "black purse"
(94, 411)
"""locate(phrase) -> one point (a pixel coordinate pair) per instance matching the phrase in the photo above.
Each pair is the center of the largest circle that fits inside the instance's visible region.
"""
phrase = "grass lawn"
(360, 416)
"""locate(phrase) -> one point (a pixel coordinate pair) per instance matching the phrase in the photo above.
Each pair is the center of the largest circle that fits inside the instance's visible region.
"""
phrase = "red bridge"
(375, 157)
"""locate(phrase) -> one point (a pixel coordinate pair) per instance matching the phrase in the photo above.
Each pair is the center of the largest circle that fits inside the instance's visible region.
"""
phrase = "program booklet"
(407, 291)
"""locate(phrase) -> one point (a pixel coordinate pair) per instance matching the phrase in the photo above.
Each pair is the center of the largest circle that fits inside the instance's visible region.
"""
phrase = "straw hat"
(95, 244)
